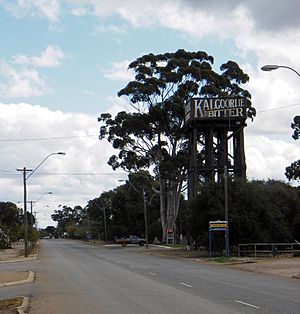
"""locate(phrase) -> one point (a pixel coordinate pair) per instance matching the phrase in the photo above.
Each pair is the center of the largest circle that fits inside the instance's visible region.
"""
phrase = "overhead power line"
(13, 173)
(277, 108)
(97, 135)
(48, 138)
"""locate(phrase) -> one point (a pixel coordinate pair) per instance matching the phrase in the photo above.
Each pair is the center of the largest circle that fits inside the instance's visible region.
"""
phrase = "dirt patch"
(282, 266)
(10, 305)
(6, 277)
(16, 252)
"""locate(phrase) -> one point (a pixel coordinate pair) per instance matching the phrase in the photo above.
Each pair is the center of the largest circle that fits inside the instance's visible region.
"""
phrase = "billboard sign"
(215, 109)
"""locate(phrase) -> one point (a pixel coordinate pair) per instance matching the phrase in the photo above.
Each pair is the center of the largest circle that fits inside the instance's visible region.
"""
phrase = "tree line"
(259, 211)
(12, 225)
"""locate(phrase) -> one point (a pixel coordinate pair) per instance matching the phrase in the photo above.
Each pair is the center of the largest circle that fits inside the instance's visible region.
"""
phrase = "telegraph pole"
(146, 218)
(24, 170)
(226, 192)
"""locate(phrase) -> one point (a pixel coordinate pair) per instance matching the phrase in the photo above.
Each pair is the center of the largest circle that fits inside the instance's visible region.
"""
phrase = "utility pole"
(226, 210)
(24, 170)
(25, 178)
(146, 219)
(105, 227)
(104, 216)
(31, 217)
(226, 192)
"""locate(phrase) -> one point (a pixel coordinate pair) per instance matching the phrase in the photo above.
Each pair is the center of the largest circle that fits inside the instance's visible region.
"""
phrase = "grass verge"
(11, 304)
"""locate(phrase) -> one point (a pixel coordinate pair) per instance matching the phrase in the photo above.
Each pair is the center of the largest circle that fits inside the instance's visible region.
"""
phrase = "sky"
(62, 63)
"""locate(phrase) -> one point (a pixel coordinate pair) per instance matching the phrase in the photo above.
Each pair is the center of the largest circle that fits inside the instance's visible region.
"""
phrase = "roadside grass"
(221, 259)
(10, 304)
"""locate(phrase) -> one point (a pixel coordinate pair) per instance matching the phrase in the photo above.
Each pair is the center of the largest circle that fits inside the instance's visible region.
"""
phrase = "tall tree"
(11, 222)
(292, 172)
(154, 134)
(67, 216)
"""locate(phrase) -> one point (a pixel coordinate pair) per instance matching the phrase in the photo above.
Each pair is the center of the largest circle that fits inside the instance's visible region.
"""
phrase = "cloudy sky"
(62, 63)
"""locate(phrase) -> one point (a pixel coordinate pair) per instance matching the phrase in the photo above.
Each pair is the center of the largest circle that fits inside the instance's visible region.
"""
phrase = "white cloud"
(118, 29)
(119, 72)
(85, 163)
(80, 11)
(20, 82)
(19, 79)
(267, 159)
(41, 8)
(50, 57)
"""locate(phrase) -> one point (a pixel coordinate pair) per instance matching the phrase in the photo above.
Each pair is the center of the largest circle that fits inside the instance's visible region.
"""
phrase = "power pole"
(226, 192)
(146, 218)
(24, 170)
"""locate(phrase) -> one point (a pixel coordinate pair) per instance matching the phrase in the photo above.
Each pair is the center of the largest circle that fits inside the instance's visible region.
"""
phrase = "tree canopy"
(292, 172)
(259, 211)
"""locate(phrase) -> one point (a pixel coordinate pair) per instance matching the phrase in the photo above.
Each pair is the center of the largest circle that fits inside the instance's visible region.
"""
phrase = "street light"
(35, 216)
(25, 178)
(32, 205)
(271, 67)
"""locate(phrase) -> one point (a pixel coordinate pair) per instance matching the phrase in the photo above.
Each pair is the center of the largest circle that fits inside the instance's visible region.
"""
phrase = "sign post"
(219, 225)
(170, 236)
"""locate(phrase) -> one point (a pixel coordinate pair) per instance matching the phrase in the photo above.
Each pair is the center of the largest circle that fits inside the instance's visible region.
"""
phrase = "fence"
(268, 249)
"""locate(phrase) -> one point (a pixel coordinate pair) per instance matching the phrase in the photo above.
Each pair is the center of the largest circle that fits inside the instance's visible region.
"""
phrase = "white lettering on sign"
(210, 108)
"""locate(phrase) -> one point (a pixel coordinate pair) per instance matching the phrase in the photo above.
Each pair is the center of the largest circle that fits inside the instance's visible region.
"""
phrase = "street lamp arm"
(271, 67)
(41, 197)
(284, 66)
(32, 172)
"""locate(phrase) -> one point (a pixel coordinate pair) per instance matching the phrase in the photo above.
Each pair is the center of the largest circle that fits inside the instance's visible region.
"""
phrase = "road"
(75, 277)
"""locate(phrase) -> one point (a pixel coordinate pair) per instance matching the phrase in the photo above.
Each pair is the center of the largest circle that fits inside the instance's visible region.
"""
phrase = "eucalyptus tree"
(153, 135)
(260, 211)
(67, 216)
(292, 172)
(11, 222)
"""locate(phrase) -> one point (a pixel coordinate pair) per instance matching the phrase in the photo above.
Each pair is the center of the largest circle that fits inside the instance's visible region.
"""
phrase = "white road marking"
(248, 304)
(153, 274)
(185, 284)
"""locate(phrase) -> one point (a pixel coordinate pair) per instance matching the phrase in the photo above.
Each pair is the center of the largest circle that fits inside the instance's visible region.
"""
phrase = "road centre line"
(185, 284)
(248, 304)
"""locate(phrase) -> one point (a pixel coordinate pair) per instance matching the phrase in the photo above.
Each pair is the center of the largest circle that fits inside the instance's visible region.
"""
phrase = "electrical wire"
(278, 108)
(64, 173)
(96, 135)
(48, 138)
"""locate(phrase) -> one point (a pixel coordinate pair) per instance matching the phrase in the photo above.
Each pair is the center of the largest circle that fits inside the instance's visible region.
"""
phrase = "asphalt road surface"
(75, 277)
